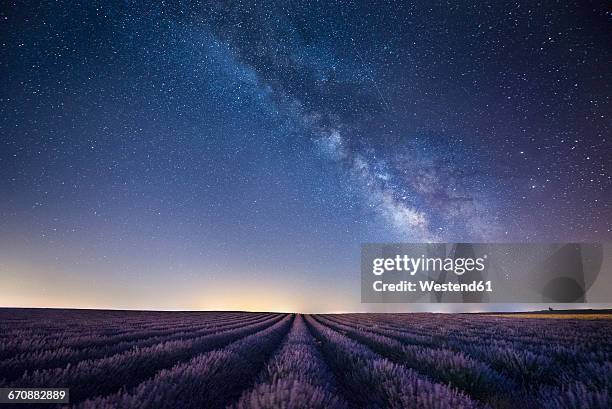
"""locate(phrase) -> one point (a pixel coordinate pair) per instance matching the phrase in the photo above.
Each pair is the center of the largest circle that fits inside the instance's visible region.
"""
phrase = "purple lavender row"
(85, 332)
(578, 376)
(514, 338)
(536, 332)
(371, 381)
(12, 368)
(573, 396)
(295, 378)
(524, 366)
(107, 375)
(210, 380)
(475, 378)
(68, 337)
(78, 322)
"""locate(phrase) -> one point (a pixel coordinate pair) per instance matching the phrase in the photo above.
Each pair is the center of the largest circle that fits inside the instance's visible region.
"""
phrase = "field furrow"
(523, 365)
(372, 381)
(295, 377)
(14, 367)
(570, 375)
(442, 365)
(209, 380)
(98, 334)
(238, 360)
(107, 375)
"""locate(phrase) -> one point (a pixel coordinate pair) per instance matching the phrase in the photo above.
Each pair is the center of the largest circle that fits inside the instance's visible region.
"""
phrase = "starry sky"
(235, 154)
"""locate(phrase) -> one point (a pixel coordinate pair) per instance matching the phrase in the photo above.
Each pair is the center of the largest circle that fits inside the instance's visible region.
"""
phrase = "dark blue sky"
(203, 154)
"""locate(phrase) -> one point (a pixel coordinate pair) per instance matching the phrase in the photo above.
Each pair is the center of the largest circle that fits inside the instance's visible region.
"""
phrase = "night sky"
(234, 155)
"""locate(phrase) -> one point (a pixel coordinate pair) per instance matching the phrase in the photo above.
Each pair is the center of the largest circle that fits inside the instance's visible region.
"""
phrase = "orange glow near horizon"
(22, 288)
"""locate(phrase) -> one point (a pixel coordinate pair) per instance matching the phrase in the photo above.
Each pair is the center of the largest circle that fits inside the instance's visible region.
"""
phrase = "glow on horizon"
(22, 288)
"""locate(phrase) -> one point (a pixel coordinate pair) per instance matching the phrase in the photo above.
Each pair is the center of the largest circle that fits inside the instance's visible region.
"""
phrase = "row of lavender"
(26, 331)
(210, 379)
(104, 361)
(266, 361)
(294, 363)
(501, 362)
(125, 344)
(447, 361)
(295, 377)
(249, 361)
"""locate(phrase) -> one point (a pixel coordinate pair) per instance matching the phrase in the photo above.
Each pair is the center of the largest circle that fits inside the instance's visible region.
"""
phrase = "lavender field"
(120, 359)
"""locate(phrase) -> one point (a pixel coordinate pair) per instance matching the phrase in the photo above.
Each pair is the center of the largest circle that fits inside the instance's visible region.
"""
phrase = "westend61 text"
(432, 286)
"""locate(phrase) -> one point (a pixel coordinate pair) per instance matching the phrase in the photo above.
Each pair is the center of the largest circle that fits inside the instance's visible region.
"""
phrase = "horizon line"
(595, 310)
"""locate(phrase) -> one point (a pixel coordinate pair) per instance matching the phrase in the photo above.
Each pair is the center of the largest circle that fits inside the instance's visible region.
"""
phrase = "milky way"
(224, 141)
